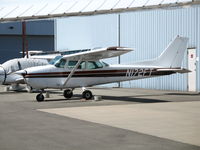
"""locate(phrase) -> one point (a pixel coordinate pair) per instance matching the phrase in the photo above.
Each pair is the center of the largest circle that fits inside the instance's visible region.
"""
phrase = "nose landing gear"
(40, 97)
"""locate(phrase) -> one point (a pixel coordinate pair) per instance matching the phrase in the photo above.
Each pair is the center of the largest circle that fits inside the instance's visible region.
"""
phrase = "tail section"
(172, 56)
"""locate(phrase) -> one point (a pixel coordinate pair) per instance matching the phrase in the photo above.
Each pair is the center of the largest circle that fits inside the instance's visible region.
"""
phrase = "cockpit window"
(83, 65)
(61, 63)
(71, 64)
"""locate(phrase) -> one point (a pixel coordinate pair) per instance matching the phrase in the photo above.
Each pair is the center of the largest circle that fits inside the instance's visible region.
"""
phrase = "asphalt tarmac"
(76, 124)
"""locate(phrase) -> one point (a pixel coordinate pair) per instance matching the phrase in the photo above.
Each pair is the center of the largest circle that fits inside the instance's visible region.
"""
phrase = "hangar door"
(192, 68)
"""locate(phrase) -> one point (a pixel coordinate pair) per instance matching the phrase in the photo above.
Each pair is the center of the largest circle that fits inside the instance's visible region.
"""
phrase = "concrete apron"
(179, 121)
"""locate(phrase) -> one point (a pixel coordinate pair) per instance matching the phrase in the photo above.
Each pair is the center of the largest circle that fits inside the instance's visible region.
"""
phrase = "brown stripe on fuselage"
(96, 73)
(80, 72)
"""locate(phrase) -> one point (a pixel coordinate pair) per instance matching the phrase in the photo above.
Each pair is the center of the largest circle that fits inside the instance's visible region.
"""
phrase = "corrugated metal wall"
(148, 32)
(40, 35)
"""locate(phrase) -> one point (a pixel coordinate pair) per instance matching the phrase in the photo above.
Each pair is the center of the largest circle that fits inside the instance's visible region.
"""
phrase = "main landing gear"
(68, 93)
(87, 94)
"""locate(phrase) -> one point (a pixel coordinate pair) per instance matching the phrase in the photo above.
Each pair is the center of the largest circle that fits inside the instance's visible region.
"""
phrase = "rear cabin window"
(86, 64)
(94, 65)
(82, 65)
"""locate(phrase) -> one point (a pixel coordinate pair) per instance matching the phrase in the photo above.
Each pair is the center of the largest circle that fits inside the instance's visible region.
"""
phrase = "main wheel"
(87, 94)
(68, 93)
(40, 97)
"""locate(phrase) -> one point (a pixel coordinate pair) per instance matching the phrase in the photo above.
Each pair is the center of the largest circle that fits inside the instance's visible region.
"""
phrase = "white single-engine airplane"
(84, 69)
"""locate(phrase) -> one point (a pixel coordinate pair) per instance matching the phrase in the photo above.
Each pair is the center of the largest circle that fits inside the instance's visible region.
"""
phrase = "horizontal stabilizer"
(178, 70)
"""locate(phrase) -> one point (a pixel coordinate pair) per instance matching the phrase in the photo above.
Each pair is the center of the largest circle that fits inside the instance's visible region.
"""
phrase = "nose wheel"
(40, 97)
(68, 93)
(87, 94)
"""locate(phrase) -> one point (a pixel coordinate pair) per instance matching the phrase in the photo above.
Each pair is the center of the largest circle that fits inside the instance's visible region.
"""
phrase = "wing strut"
(72, 72)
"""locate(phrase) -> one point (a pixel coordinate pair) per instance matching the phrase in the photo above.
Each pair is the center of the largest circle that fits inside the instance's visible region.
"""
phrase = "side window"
(98, 64)
(71, 64)
(82, 65)
(91, 65)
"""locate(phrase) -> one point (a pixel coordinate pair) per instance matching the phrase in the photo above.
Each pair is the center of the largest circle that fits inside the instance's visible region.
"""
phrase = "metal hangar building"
(40, 36)
(145, 25)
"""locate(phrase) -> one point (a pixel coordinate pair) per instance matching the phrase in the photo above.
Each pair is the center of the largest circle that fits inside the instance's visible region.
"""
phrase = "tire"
(40, 97)
(87, 95)
(68, 93)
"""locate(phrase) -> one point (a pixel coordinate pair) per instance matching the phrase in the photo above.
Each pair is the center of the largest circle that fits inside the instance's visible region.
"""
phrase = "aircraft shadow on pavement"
(75, 98)
(184, 94)
(12, 92)
(78, 98)
(133, 99)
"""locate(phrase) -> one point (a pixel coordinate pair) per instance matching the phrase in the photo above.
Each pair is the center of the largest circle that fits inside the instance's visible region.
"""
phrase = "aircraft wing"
(48, 57)
(99, 53)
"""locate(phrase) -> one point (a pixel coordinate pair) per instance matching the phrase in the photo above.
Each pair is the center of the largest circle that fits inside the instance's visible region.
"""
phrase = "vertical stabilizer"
(172, 56)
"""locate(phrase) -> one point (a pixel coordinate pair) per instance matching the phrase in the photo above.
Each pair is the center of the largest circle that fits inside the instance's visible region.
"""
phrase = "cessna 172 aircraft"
(85, 69)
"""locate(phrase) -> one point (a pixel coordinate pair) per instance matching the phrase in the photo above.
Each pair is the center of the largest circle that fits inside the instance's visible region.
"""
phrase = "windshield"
(53, 61)
(61, 63)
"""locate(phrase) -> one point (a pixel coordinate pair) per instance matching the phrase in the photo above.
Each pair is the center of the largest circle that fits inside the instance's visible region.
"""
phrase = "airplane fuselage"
(52, 77)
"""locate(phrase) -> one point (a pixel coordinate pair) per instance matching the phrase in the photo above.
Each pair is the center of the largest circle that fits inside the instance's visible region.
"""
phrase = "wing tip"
(115, 48)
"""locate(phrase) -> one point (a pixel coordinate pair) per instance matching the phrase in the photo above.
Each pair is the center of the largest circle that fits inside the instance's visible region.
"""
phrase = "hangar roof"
(51, 9)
